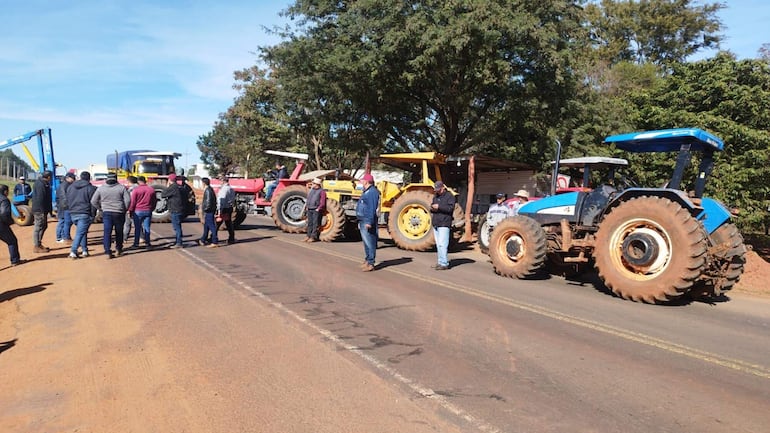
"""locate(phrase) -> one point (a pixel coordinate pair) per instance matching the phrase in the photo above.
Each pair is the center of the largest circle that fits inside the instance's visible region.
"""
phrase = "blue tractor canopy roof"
(666, 140)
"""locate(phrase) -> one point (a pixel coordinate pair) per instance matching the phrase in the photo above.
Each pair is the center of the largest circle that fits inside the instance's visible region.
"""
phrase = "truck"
(22, 214)
(155, 166)
(647, 244)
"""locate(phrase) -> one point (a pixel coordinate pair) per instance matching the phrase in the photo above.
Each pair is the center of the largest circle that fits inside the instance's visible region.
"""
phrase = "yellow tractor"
(404, 210)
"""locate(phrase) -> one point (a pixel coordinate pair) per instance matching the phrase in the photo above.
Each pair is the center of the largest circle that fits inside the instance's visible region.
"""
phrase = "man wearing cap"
(176, 200)
(64, 223)
(442, 208)
(113, 200)
(522, 197)
(316, 204)
(279, 173)
(366, 212)
(209, 210)
(498, 211)
(42, 205)
(22, 189)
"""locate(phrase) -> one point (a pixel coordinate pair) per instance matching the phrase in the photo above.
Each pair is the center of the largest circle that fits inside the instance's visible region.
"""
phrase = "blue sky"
(134, 74)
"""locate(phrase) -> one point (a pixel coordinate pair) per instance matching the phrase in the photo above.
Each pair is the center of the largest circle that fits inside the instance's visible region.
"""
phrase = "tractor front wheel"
(650, 249)
(288, 209)
(26, 217)
(332, 221)
(517, 247)
(409, 223)
(484, 233)
(161, 213)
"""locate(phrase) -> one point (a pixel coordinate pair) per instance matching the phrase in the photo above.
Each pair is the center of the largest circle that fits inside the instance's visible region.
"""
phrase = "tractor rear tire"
(650, 249)
(161, 213)
(288, 208)
(409, 223)
(332, 221)
(727, 257)
(26, 217)
(518, 247)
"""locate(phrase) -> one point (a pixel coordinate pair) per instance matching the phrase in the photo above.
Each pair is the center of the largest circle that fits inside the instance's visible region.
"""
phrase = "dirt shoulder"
(149, 342)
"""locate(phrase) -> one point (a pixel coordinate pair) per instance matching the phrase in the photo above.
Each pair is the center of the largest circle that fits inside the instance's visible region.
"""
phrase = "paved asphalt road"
(497, 354)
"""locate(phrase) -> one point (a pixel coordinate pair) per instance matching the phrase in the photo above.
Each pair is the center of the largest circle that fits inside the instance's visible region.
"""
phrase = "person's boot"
(40, 249)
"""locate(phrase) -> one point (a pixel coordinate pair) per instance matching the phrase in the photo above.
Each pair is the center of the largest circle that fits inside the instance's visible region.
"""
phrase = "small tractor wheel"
(332, 221)
(484, 234)
(650, 249)
(288, 209)
(161, 213)
(727, 257)
(26, 217)
(517, 247)
(409, 223)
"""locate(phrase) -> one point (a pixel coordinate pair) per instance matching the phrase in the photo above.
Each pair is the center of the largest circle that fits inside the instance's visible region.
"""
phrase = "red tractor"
(287, 206)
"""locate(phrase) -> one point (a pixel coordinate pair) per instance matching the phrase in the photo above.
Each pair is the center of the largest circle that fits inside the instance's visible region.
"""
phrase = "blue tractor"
(647, 244)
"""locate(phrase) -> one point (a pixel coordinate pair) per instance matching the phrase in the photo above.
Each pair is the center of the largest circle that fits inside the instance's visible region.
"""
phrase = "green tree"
(663, 32)
(731, 99)
(441, 75)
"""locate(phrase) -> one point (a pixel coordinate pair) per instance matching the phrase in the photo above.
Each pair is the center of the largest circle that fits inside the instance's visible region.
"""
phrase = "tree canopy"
(498, 77)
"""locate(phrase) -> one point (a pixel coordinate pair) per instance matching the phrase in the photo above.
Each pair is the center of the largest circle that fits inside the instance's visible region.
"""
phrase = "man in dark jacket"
(176, 200)
(279, 173)
(42, 205)
(366, 213)
(64, 224)
(442, 208)
(79, 196)
(209, 209)
(6, 234)
(22, 189)
(316, 205)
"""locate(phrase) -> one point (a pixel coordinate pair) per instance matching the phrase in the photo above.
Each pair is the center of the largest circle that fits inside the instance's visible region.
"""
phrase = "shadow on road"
(15, 293)
(393, 262)
(5, 345)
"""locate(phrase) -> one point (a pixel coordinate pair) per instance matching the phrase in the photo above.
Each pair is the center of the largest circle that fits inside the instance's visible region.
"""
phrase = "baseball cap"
(438, 185)
(368, 177)
(500, 195)
(22, 178)
(317, 180)
(172, 177)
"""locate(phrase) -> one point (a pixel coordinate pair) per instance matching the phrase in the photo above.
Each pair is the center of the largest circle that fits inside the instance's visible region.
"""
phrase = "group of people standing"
(42, 204)
(367, 212)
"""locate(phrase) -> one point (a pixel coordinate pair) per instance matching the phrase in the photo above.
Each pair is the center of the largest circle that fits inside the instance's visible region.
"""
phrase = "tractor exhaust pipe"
(555, 174)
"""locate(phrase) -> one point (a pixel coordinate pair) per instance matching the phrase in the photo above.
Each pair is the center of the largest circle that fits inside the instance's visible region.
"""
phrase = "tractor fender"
(675, 195)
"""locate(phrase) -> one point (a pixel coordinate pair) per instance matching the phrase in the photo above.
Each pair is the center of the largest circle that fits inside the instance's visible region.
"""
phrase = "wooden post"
(468, 235)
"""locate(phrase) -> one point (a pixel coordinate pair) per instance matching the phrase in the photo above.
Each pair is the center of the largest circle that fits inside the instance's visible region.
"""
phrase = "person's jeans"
(270, 188)
(313, 223)
(369, 236)
(441, 234)
(7, 236)
(127, 228)
(142, 220)
(209, 225)
(176, 222)
(63, 226)
(82, 222)
(41, 223)
(226, 213)
(113, 220)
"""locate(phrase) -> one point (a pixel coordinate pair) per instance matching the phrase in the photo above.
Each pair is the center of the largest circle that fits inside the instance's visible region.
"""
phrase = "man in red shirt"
(143, 201)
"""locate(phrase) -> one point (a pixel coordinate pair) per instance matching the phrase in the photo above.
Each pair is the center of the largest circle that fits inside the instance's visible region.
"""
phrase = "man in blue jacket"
(366, 212)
